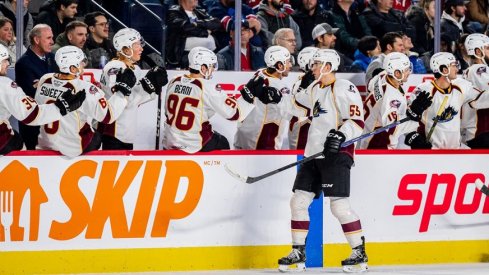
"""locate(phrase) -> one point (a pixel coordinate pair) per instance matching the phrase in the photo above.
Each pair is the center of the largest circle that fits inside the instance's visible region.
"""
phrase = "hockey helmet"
(305, 57)
(199, 56)
(126, 38)
(476, 41)
(68, 56)
(442, 59)
(275, 54)
(327, 56)
(396, 61)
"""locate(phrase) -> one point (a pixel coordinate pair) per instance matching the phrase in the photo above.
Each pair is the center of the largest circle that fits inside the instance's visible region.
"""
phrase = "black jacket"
(307, 23)
(382, 23)
(180, 27)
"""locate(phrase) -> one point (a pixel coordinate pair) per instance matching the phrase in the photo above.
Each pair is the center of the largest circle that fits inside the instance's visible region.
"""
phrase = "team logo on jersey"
(448, 114)
(13, 85)
(113, 71)
(218, 87)
(285, 91)
(93, 90)
(57, 83)
(352, 89)
(481, 70)
(317, 110)
(395, 103)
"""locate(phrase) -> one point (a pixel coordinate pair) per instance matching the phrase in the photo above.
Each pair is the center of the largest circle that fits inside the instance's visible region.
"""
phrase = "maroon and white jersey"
(189, 104)
(125, 127)
(475, 122)
(265, 125)
(385, 105)
(446, 134)
(337, 105)
(72, 133)
(14, 102)
(299, 125)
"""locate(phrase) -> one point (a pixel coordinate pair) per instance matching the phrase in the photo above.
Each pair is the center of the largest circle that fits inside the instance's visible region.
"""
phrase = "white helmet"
(125, 38)
(328, 56)
(396, 61)
(68, 56)
(276, 54)
(4, 53)
(305, 57)
(441, 59)
(476, 41)
(199, 56)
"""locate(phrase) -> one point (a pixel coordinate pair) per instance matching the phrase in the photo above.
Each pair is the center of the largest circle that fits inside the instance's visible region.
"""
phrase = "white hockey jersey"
(125, 127)
(14, 102)
(385, 105)
(265, 125)
(475, 122)
(73, 132)
(337, 105)
(189, 104)
(299, 125)
(446, 134)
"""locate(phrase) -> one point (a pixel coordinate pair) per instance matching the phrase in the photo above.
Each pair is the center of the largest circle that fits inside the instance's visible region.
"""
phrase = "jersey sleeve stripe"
(107, 117)
(32, 116)
(235, 117)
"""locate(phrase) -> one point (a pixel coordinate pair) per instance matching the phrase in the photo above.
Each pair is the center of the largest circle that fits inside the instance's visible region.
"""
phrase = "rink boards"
(168, 211)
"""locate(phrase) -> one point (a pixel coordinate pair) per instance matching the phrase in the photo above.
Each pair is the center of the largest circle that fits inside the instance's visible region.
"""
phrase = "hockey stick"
(250, 180)
(158, 123)
(480, 185)
(438, 115)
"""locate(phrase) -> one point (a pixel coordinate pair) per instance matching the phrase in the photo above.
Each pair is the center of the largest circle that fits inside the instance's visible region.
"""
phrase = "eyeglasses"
(289, 40)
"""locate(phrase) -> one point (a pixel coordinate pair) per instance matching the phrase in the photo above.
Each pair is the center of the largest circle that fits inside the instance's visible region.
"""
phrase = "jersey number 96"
(177, 113)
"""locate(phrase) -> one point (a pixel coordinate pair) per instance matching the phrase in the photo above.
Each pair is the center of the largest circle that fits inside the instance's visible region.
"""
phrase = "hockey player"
(264, 126)
(386, 103)
(191, 100)
(14, 102)
(121, 134)
(299, 127)
(338, 110)
(475, 123)
(73, 135)
(449, 93)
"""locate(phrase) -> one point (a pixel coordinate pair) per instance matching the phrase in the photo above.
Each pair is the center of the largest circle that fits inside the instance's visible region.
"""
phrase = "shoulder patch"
(13, 85)
(395, 103)
(285, 91)
(113, 71)
(352, 89)
(481, 70)
(218, 87)
(93, 89)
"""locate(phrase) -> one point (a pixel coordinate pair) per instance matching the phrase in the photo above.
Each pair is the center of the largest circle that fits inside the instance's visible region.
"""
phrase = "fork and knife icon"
(6, 212)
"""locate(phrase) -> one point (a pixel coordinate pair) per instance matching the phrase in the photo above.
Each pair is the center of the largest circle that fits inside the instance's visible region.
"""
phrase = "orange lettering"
(168, 208)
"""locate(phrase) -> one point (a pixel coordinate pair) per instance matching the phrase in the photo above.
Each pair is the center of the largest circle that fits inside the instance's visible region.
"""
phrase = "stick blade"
(231, 171)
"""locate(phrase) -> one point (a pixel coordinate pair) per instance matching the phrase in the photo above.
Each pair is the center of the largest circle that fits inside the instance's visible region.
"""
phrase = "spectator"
(390, 42)
(309, 15)
(252, 57)
(461, 53)
(224, 9)
(422, 17)
(57, 14)
(368, 49)
(324, 38)
(452, 20)
(8, 8)
(352, 26)
(7, 38)
(285, 37)
(478, 12)
(382, 18)
(188, 27)
(75, 35)
(98, 45)
(36, 62)
(418, 65)
(272, 17)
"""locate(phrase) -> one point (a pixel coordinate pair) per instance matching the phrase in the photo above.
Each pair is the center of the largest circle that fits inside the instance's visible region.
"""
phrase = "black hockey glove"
(252, 89)
(69, 102)
(417, 141)
(270, 95)
(155, 79)
(124, 82)
(422, 101)
(306, 80)
(333, 142)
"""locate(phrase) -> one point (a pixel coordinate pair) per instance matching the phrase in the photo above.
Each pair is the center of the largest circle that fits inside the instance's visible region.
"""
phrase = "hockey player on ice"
(386, 103)
(121, 134)
(338, 116)
(192, 99)
(73, 134)
(14, 102)
(299, 126)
